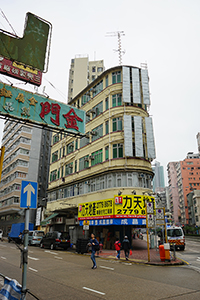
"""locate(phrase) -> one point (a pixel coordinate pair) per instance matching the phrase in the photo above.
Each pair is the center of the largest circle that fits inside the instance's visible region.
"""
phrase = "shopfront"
(115, 217)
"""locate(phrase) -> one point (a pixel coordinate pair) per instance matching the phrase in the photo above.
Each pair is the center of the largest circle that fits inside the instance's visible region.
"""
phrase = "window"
(197, 219)
(117, 124)
(97, 132)
(84, 162)
(106, 80)
(75, 166)
(63, 151)
(93, 69)
(107, 153)
(117, 150)
(84, 140)
(97, 110)
(69, 169)
(54, 156)
(53, 175)
(93, 77)
(116, 100)
(97, 157)
(116, 77)
(70, 147)
(97, 88)
(107, 127)
(107, 103)
(56, 138)
(85, 98)
(76, 144)
(99, 69)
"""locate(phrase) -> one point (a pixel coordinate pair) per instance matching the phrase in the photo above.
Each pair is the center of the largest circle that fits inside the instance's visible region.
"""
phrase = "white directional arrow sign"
(29, 189)
(28, 194)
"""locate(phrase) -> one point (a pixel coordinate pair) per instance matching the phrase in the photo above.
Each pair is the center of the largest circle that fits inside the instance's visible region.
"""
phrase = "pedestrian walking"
(118, 248)
(126, 246)
(95, 247)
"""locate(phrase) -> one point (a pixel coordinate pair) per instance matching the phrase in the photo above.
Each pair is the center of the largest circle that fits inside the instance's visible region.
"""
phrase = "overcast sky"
(163, 34)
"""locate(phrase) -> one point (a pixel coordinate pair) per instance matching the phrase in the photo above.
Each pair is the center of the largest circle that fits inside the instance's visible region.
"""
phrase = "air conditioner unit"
(88, 114)
(87, 135)
(93, 111)
(86, 159)
(141, 175)
(92, 157)
(71, 167)
(71, 145)
(94, 132)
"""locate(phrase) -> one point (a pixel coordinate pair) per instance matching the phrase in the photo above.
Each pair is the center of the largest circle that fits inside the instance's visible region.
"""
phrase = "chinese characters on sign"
(133, 206)
(24, 105)
(96, 210)
(20, 71)
(123, 207)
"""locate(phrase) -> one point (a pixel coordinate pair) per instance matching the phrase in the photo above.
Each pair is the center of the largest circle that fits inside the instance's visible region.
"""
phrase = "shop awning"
(116, 221)
(45, 221)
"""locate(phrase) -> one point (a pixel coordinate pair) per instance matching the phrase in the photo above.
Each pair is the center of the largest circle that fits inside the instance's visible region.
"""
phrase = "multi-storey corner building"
(184, 176)
(82, 72)
(26, 157)
(114, 157)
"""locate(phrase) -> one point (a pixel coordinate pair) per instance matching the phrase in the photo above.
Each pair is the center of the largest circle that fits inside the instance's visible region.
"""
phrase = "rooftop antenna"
(119, 50)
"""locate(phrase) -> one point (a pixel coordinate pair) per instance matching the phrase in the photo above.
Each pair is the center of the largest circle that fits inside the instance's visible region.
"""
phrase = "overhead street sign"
(28, 197)
(26, 106)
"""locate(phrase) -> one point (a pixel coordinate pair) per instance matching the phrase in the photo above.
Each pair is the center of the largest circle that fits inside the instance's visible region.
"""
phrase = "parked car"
(35, 237)
(56, 239)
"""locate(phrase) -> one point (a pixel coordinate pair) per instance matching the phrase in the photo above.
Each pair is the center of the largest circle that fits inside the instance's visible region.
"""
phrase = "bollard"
(162, 252)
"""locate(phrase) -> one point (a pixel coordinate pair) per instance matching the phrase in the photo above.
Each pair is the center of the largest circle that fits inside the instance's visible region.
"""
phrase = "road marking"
(128, 264)
(58, 257)
(13, 247)
(85, 288)
(106, 268)
(3, 257)
(195, 268)
(48, 251)
(33, 258)
(33, 269)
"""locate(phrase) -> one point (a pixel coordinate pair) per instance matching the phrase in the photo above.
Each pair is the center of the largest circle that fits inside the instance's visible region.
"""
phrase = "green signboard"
(31, 48)
(26, 106)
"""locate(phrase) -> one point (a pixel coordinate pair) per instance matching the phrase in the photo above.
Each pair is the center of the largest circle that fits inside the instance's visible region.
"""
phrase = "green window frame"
(117, 124)
(70, 147)
(97, 157)
(107, 153)
(117, 150)
(54, 156)
(69, 169)
(107, 127)
(53, 175)
(83, 162)
(116, 100)
(107, 81)
(107, 103)
(116, 77)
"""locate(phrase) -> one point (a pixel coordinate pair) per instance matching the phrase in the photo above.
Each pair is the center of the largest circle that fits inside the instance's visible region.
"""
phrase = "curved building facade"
(114, 157)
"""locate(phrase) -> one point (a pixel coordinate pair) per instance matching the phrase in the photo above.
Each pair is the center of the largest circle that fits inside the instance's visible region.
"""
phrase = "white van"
(176, 237)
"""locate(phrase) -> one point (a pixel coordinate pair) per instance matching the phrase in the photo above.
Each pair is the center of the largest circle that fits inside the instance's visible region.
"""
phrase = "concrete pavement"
(140, 255)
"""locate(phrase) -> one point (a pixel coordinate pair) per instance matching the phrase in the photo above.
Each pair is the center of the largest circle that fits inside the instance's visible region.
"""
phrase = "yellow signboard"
(101, 209)
(131, 206)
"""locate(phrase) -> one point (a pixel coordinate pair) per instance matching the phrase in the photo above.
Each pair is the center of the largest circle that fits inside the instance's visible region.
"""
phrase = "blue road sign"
(28, 197)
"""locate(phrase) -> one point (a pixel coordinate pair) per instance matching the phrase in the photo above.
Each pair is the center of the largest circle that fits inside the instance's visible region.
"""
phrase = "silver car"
(35, 236)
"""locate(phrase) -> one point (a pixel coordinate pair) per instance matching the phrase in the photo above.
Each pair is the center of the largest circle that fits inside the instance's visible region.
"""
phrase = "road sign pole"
(147, 231)
(25, 254)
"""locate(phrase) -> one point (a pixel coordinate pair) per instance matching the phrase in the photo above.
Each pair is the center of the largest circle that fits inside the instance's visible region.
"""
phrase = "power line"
(4, 16)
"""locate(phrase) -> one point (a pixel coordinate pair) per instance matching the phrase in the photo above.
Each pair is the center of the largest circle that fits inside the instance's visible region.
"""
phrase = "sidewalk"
(140, 255)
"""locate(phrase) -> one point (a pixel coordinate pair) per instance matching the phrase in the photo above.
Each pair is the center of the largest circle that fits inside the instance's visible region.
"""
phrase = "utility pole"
(119, 50)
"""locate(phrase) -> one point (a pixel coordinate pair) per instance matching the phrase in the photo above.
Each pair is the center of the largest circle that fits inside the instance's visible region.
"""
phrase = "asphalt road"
(191, 254)
(65, 275)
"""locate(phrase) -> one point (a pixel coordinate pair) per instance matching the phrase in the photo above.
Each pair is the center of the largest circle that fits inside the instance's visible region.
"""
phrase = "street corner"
(176, 262)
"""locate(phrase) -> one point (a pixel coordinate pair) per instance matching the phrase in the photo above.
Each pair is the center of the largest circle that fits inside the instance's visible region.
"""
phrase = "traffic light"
(1, 159)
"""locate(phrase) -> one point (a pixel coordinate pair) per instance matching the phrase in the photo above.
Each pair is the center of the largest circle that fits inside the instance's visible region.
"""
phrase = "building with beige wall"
(114, 157)
(82, 72)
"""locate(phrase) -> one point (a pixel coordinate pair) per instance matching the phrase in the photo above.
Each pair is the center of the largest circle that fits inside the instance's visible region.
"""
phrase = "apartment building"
(27, 152)
(184, 176)
(82, 72)
(113, 158)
